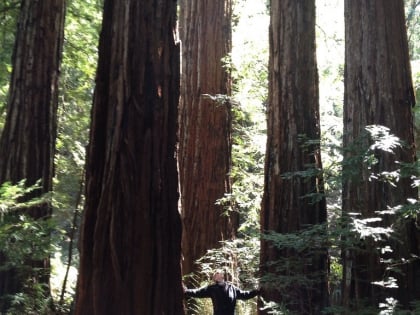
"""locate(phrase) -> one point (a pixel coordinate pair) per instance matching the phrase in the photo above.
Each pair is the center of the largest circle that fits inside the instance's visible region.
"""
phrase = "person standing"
(223, 294)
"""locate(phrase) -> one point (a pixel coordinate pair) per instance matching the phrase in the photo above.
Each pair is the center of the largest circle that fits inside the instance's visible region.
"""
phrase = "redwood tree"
(378, 91)
(204, 127)
(131, 232)
(27, 142)
(293, 114)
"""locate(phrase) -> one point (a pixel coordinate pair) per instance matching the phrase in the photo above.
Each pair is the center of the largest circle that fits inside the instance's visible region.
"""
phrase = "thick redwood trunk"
(378, 91)
(293, 115)
(131, 233)
(204, 128)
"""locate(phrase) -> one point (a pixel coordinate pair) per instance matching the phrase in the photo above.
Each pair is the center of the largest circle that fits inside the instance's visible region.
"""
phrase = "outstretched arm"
(198, 293)
(246, 295)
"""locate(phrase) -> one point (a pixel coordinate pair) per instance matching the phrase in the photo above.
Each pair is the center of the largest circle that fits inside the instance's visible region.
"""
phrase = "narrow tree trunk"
(131, 232)
(204, 128)
(27, 142)
(378, 91)
(292, 114)
(72, 237)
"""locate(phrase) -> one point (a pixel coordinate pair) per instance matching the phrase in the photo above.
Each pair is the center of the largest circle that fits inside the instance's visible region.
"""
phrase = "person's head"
(219, 276)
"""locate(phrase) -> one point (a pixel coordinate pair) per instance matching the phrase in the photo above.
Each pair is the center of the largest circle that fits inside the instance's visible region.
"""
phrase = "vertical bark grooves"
(131, 233)
(28, 138)
(378, 91)
(27, 142)
(292, 112)
(204, 127)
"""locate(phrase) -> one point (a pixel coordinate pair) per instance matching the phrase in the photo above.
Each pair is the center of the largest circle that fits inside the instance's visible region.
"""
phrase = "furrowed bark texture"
(293, 113)
(378, 91)
(27, 142)
(131, 233)
(204, 128)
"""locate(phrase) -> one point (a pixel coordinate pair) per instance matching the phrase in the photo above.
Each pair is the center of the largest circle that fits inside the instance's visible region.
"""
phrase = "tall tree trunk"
(292, 113)
(131, 231)
(204, 127)
(27, 142)
(378, 91)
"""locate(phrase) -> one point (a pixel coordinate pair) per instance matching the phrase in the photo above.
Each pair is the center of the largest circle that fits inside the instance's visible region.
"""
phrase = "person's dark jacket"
(223, 296)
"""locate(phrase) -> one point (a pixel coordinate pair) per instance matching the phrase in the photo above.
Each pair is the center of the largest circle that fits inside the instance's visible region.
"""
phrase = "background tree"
(293, 201)
(378, 92)
(131, 234)
(27, 142)
(248, 67)
(9, 11)
(83, 22)
(204, 128)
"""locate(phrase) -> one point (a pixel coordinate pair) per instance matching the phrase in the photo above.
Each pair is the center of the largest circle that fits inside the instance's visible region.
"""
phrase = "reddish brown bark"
(204, 128)
(292, 113)
(131, 233)
(378, 91)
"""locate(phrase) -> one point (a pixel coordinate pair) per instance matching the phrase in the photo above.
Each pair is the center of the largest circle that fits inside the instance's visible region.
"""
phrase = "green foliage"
(381, 230)
(33, 300)
(9, 10)
(12, 196)
(274, 308)
(239, 259)
(247, 171)
(236, 257)
(363, 154)
(349, 231)
(23, 240)
(412, 10)
(83, 21)
(248, 67)
(297, 251)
